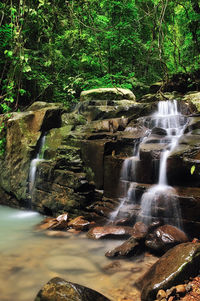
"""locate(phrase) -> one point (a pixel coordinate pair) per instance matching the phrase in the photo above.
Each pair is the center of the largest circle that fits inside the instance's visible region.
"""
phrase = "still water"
(28, 259)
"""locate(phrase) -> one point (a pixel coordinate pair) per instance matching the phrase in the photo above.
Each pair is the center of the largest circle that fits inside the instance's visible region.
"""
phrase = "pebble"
(180, 288)
(161, 295)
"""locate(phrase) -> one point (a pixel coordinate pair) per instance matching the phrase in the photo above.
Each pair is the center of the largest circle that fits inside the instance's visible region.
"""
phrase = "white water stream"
(159, 199)
(34, 163)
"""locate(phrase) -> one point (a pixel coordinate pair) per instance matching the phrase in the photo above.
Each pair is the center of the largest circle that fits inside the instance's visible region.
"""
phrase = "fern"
(5, 35)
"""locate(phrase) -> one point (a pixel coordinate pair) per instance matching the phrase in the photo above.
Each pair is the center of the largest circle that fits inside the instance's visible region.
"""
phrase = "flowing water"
(35, 162)
(29, 259)
(160, 199)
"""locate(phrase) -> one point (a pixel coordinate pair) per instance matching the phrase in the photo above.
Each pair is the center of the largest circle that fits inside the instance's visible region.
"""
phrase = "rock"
(59, 223)
(158, 131)
(23, 132)
(140, 230)
(193, 99)
(59, 289)
(149, 98)
(110, 231)
(128, 248)
(165, 237)
(175, 266)
(107, 94)
(79, 223)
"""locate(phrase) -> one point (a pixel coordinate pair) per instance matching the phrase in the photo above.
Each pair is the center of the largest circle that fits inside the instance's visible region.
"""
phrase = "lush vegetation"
(52, 49)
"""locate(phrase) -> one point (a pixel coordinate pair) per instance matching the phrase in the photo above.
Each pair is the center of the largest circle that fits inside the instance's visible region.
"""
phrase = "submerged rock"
(174, 267)
(165, 237)
(110, 231)
(57, 289)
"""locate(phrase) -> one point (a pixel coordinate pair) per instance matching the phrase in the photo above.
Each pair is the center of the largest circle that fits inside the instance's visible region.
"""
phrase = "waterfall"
(160, 201)
(34, 162)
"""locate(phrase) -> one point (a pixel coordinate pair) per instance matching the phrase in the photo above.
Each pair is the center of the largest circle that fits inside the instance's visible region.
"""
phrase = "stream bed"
(28, 259)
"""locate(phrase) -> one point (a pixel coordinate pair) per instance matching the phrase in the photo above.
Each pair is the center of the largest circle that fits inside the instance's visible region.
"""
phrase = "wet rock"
(140, 230)
(159, 131)
(59, 289)
(79, 223)
(107, 93)
(175, 266)
(59, 223)
(128, 248)
(110, 231)
(23, 132)
(165, 237)
(184, 292)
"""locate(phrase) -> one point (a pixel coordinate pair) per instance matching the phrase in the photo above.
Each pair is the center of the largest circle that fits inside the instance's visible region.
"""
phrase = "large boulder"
(193, 99)
(107, 94)
(174, 267)
(57, 289)
(165, 237)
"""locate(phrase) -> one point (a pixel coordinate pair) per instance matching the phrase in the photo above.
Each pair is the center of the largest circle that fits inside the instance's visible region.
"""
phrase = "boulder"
(193, 100)
(140, 230)
(129, 248)
(107, 94)
(165, 237)
(173, 268)
(57, 289)
(158, 131)
(110, 231)
(59, 223)
(79, 223)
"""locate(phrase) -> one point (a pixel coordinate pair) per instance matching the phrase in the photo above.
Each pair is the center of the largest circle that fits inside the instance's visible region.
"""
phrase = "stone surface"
(175, 266)
(23, 132)
(193, 99)
(79, 223)
(186, 292)
(59, 223)
(165, 237)
(129, 248)
(110, 231)
(140, 230)
(107, 94)
(57, 289)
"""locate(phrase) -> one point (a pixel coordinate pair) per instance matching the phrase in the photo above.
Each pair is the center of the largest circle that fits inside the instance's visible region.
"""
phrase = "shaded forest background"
(51, 50)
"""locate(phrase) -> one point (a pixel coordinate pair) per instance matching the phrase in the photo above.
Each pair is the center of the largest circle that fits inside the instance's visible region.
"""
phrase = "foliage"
(51, 50)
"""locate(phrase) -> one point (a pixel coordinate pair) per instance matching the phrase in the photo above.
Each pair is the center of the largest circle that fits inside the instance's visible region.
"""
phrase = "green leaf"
(192, 169)
(27, 68)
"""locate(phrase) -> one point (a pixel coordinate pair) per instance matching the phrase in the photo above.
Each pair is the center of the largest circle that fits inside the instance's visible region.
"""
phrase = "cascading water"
(34, 163)
(158, 202)
(127, 180)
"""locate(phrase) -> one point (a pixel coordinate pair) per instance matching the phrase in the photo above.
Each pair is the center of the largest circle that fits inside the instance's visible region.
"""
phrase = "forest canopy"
(53, 49)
